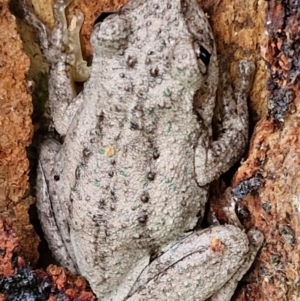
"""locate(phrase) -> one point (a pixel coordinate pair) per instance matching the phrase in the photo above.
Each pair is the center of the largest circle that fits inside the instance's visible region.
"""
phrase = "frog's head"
(204, 81)
(170, 39)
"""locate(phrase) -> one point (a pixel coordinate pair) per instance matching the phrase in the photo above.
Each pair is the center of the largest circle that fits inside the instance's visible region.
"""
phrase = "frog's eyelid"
(103, 16)
(204, 55)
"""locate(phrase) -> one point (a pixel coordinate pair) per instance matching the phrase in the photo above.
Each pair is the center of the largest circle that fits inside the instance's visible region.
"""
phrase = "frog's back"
(137, 193)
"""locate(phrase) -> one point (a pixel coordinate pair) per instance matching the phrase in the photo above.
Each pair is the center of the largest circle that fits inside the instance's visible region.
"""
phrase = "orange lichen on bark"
(74, 287)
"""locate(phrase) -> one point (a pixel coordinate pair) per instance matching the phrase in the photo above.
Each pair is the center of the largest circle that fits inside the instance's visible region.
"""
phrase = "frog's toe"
(256, 238)
(245, 70)
(62, 3)
(246, 67)
(80, 70)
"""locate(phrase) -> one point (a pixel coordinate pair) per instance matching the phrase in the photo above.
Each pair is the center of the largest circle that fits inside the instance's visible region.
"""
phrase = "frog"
(121, 195)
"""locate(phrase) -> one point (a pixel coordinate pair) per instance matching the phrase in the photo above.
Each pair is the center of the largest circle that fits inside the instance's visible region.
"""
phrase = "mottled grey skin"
(132, 175)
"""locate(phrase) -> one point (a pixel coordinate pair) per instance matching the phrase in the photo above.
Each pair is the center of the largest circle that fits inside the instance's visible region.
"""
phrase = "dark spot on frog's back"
(155, 153)
(143, 217)
(154, 71)
(134, 126)
(145, 197)
(131, 60)
(86, 152)
(98, 128)
(100, 117)
(151, 176)
(77, 172)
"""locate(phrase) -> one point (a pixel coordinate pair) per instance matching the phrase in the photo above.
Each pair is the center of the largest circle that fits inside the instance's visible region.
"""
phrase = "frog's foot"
(245, 72)
(225, 293)
(69, 37)
(59, 41)
(231, 130)
(80, 70)
(66, 40)
(229, 211)
(49, 201)
(206, 264)
(61, 48)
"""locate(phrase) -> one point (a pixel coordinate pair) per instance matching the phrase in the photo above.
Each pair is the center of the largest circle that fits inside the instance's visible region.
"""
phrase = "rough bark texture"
(272, 166)
(18, 282)
(274, 159)
(15, 133)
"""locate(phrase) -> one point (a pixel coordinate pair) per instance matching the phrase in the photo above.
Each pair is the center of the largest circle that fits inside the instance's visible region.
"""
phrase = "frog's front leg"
(61, 48)
(206, 264)
(214, 158)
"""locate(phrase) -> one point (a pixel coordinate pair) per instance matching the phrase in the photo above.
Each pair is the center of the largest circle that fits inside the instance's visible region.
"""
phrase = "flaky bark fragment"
(274, 156)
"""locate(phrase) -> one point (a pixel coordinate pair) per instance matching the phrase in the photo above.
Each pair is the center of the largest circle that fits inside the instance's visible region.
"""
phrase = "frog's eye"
(204, 55)
(103, 16)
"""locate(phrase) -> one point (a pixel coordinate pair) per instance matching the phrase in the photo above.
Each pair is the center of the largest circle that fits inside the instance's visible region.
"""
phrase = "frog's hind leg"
(47, 205)
(206, 264)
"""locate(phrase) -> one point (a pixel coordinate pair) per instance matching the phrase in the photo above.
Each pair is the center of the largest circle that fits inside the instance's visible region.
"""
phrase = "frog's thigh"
(197, 267)
(44, 204)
